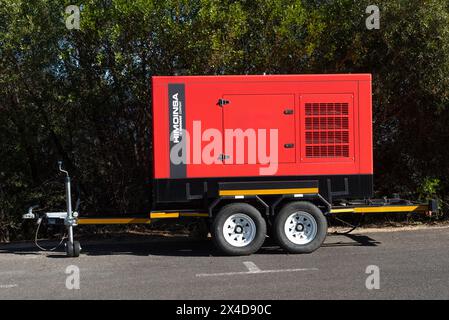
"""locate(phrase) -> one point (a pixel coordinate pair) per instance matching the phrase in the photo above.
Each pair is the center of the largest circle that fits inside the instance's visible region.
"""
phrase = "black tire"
(218, 227)
(312, 211)
(69, 249)
(76, 248)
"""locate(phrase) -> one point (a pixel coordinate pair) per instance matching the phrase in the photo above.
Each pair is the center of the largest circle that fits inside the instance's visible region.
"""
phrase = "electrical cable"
(37, 244)
(353, 227)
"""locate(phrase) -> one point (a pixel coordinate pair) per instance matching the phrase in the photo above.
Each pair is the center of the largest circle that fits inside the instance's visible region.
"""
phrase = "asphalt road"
(412, 265)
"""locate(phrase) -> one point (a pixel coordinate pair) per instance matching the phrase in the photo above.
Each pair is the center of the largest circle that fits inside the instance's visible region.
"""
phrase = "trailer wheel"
(300, 227)
(69, 249)
(73, 250)
(239, 229)
(76, 248)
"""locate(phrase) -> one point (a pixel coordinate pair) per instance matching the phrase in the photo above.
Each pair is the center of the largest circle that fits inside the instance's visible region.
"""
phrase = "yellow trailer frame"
(140, 220)
(419, 208)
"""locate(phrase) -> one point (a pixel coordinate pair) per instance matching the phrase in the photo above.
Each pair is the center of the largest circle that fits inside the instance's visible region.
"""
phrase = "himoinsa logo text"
(176, 117)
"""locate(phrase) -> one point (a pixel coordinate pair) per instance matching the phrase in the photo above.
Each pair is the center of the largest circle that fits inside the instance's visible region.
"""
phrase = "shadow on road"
(173, 246)
(341, 240)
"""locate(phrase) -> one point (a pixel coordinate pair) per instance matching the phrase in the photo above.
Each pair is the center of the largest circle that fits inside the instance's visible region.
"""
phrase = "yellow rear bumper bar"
(382, 209)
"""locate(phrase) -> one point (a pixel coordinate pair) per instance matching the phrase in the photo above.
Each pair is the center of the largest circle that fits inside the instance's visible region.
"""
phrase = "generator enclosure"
(318, 130)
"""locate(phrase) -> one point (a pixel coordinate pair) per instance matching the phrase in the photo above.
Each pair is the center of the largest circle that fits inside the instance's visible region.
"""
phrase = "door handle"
(289, 145)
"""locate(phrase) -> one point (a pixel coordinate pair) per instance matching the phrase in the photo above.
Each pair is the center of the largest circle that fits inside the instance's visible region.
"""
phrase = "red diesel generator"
(324, 153)
(256, 156)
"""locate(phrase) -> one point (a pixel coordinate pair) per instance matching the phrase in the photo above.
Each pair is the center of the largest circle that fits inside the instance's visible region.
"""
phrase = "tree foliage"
(84, 96)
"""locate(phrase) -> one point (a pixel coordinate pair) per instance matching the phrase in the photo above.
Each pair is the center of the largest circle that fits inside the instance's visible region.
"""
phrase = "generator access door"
(250, 125)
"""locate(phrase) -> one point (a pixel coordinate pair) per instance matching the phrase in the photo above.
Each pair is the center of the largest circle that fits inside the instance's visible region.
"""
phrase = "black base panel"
(197, 193)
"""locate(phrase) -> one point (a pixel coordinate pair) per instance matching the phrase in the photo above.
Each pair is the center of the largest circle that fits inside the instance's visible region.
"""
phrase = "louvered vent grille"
(327, 130)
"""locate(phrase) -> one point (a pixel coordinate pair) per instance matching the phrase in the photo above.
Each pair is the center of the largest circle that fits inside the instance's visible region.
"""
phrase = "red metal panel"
(203, 92)
(250, 113)
(160, 130)
(366, 130)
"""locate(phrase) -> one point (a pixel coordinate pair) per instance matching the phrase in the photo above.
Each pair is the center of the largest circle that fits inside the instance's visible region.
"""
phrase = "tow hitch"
(67, 218)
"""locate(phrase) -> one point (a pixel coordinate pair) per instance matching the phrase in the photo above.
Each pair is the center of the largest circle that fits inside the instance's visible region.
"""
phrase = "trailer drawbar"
(256, 155)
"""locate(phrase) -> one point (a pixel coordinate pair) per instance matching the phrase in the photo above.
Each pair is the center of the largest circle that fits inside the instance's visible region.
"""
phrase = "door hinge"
(223, 102)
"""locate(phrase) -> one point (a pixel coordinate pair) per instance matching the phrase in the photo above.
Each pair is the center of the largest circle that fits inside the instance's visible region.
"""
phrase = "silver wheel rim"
(239, 230)
(300, 228)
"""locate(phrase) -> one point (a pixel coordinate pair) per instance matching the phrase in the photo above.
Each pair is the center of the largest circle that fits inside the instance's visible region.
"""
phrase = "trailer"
(258, 155)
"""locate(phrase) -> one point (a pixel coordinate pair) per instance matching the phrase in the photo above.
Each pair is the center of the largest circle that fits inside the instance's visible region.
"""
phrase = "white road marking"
(251, 266)
(253, 269)
(7, 286)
